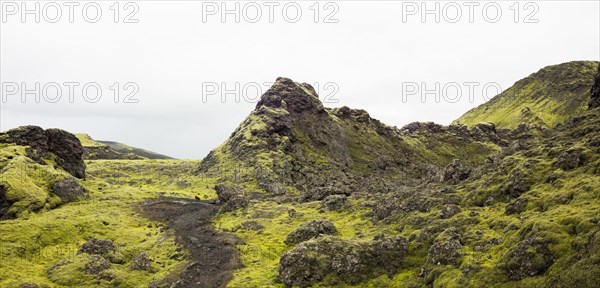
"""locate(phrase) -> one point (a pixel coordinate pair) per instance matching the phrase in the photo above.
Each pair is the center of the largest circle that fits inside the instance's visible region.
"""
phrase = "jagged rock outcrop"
(4, 203)
(64, 145)
(595, 92)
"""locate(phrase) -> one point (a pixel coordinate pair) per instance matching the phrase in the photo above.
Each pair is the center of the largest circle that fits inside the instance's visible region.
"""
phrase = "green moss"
(548, 97)
(33, 244)
(87, 141)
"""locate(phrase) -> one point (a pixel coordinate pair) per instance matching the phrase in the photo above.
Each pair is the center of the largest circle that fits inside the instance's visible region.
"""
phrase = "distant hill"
(98, 149)
(548, 97)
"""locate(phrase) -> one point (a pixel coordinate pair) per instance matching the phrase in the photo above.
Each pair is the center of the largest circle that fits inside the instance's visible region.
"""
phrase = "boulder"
(516, 184)
(235, 202)
(314, 260)
(96, 264)
(335, 202)
(69, 190)
(232, 197)
(251, 225)
(97, 246)
(226, 192)
(449, 211)
(569, 160)
(311, 230)
(530, 258)
(141, 262)
(455, 172)
(446, 248)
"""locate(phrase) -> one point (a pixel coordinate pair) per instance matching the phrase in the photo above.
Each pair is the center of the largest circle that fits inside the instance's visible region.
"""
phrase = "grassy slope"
(563, 213)
(122, 148)
(88, 141)
(548, 97)
(36, 241)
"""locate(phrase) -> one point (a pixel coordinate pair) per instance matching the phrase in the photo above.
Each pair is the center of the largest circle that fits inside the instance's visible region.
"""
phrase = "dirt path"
(213, 255)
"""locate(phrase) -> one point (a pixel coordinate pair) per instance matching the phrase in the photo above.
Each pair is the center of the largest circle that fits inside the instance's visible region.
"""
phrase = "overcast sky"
(363, 54)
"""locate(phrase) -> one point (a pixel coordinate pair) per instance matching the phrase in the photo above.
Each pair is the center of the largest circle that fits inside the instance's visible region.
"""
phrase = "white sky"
(367, 55)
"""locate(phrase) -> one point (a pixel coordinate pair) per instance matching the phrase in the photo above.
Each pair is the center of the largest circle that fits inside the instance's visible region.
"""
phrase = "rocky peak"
(291, 96)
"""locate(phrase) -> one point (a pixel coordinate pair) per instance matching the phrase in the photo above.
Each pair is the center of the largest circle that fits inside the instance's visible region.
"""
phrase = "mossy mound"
(546, 98)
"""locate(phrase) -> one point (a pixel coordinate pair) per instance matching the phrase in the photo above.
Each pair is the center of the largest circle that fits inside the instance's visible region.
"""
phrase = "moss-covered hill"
(545, 98)
(317, 197)
(110, 150)
(367, 205)
(292, 145)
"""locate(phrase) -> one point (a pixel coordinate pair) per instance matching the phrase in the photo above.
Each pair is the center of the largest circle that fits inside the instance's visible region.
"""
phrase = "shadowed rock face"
(4, 204)
(66, 147)
(69, 151)
(595, 97)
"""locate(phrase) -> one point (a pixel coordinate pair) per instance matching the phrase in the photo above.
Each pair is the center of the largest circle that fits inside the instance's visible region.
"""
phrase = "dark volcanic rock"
(335, 202)
(251, 225)
(446, 249)
(314, 260)
(456, 171)
(4, 204)
(141, 262)
(291, 96)
(311, 230)
(32, 136)
(320, 193)
(69, 190)
(516, 206)
(595, 92)
(449, 211)
(226, 192)
(64, 145)
(233, 197)
(235, 202)
(97, 246)
(516, 184)
(530, 258)
(569, 160)
(388, 206)
(96, 264)
(69, 151)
